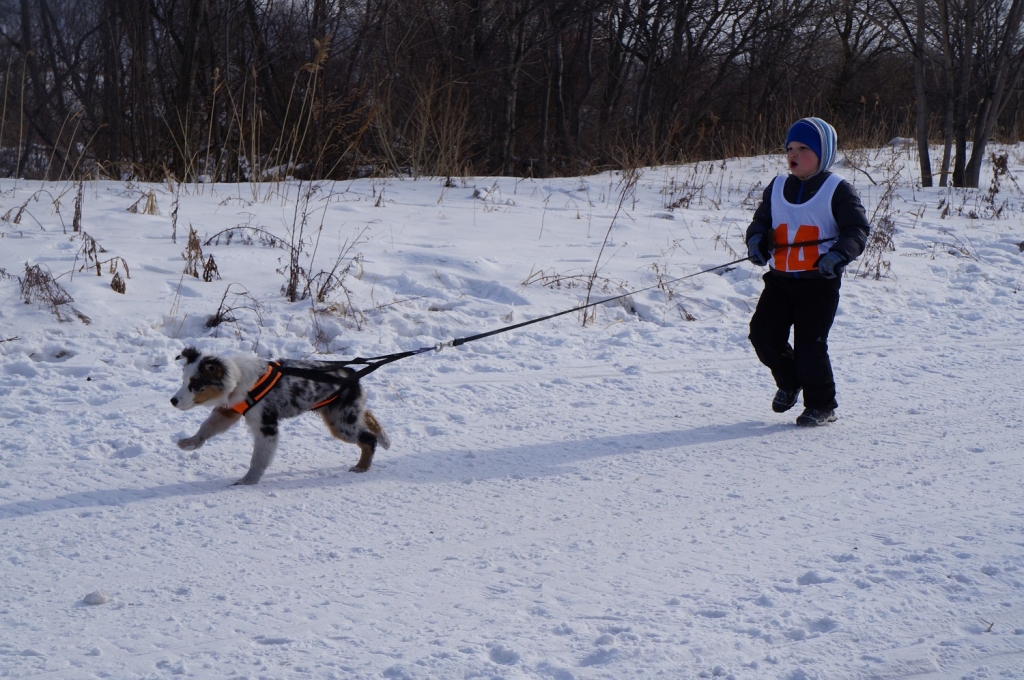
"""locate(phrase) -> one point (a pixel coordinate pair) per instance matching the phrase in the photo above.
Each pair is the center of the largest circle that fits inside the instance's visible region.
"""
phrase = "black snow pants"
(808, 306)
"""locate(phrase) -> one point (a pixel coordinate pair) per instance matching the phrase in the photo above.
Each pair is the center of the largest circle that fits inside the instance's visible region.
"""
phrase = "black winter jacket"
(846, 208)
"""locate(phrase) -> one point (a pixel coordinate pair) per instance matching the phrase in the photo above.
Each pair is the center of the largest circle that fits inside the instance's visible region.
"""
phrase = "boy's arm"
(762, 222)
(852, 220)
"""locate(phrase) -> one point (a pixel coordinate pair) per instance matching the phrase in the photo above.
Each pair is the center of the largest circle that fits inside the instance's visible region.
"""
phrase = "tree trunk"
(616, 72)
(559, 96)
(262, 66)
(544, 126)
(189, 53)
(922, 99)
(996, 94)
(183, 91)
(508, 118)
(949, 97)
(970, 14)
(136, 20)
(111, 79)
(588, 82)
(844, 31)
(57, 95)
(40, 97)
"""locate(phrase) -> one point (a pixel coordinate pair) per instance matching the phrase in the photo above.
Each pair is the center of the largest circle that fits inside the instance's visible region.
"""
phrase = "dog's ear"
(189, 354)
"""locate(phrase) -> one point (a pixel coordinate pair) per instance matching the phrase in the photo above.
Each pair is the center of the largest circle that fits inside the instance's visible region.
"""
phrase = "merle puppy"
(263, 392)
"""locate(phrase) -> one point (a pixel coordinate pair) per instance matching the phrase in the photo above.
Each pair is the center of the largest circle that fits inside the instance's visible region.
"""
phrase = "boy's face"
(802, 161)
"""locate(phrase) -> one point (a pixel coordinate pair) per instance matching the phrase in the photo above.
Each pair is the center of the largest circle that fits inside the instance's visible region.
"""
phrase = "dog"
(264, 392)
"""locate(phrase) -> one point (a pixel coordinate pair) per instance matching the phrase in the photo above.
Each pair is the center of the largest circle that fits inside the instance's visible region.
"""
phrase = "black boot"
(785, 400)
(812, 417)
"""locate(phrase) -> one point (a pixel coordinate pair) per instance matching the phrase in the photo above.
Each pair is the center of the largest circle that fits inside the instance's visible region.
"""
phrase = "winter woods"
(251, 90)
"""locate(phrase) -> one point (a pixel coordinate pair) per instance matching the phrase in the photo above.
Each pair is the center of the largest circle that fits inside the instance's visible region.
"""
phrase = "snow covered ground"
(609, 501)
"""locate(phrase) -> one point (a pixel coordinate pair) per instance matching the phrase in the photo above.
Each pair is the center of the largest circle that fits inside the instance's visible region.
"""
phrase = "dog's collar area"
(260, 389)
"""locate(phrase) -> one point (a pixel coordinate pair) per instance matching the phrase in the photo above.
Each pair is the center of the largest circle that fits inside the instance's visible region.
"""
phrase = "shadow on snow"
(533, 460)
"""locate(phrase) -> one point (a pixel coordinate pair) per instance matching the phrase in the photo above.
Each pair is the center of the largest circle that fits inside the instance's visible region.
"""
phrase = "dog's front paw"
(250, 478)
(356, 468)
(190, 443)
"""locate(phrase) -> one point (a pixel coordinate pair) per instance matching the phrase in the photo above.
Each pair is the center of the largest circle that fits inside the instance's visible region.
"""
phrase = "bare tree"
(1002, 76)
(248, 89)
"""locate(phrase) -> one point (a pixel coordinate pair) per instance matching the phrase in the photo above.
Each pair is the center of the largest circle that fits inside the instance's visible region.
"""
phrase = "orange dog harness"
(260, 389)
(265, 384)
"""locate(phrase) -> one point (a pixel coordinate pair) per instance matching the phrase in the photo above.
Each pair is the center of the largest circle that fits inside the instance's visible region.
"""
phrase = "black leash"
(373, 363)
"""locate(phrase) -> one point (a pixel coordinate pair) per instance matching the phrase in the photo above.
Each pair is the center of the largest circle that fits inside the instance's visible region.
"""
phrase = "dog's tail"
(373, 426)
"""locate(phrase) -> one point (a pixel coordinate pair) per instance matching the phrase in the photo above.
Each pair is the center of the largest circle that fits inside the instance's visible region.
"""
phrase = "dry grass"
(1000, 170)
(145, 205)
(90, 253)
(627, 191)
(39, 287)
(692, 189)
(246, 235)
(14, 217)
(76, 222)
(240, 300)
(874, 262)
(175, 188)
(194, 259)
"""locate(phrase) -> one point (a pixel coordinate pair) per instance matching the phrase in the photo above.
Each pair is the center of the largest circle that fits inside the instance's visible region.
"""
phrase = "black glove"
(757, 252)
(831, 264)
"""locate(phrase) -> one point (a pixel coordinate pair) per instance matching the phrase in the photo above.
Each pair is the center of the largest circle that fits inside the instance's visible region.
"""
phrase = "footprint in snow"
(813, 578)
(264, 640)
(712, 613)
(601, 657)
(503, 655)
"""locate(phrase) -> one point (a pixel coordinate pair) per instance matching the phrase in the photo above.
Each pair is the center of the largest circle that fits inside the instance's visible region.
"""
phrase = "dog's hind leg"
(373, 426)
(367, 445)
(264, 435)
(220, 420)
(343, 424)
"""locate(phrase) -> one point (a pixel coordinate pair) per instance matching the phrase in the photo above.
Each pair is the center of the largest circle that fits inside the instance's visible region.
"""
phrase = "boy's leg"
(769, 332)
(817, 301)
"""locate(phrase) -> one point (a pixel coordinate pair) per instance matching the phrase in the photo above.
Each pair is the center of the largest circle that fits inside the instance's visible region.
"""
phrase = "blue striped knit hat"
(819, 136)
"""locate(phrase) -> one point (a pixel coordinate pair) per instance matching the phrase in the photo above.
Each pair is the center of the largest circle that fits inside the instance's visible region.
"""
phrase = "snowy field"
(614, 500)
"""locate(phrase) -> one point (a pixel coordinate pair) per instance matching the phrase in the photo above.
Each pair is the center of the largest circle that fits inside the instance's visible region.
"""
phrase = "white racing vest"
(810, 221)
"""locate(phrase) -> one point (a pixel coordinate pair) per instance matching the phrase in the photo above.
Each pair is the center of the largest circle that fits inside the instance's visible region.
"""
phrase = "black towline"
(322, 373)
